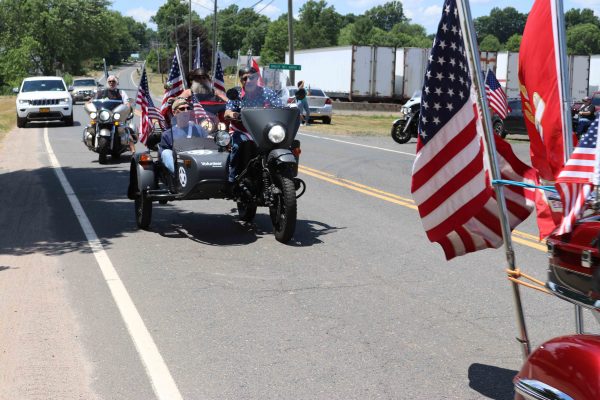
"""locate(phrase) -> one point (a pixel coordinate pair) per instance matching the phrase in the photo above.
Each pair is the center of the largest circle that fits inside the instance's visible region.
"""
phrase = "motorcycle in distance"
(110, 128)
(407, 126)
(268, 174)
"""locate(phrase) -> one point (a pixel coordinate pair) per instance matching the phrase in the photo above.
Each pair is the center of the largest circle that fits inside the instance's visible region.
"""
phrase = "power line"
(266, 5)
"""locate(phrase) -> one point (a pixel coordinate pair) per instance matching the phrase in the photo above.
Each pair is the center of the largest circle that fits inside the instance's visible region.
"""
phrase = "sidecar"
(200, 160)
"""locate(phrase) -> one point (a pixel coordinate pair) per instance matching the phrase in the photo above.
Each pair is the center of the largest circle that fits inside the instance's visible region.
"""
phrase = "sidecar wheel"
(143, 211)
(398, 135)
(283, 212)
(246, 211)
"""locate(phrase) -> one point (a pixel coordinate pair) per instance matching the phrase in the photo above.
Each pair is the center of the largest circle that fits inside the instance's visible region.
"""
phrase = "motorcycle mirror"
(233, 94)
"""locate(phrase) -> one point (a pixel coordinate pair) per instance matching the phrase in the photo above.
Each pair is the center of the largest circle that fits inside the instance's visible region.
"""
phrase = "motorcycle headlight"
(117, 115)
(222, 138)
(104, 115)
(93, 115)
(276, 134)
(406, 110)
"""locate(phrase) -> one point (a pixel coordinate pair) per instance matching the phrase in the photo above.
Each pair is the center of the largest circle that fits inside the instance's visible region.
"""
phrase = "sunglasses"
(183, 109)
(112, 81)
(249, 78)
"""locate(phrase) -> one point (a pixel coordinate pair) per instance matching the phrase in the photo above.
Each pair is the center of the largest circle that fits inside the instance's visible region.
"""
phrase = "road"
(358, 306)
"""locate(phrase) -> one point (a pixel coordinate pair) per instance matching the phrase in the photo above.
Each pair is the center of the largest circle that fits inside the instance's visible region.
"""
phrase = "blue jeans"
(167, 159)
(237, 138)
(582, 125)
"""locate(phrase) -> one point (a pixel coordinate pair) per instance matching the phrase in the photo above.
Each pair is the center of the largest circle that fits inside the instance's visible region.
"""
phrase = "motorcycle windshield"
(259, 121)
(193, 130)
(106, 104)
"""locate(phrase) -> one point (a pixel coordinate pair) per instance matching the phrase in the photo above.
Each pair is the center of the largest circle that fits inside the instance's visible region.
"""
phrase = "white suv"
(44, 98)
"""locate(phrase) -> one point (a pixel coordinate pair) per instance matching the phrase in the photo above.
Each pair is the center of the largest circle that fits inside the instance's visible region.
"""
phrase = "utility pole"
(190, 38)
(215, 44)
(291, 41)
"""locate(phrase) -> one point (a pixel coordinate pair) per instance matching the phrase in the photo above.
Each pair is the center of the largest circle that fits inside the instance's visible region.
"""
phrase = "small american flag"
(579, 175)
(147, 107)
(219, 81)
(495, 94)
(174, 85)
(199, 111)
(450, 182)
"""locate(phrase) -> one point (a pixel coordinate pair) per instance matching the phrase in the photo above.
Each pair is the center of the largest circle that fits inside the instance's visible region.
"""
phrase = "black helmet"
(196, 73)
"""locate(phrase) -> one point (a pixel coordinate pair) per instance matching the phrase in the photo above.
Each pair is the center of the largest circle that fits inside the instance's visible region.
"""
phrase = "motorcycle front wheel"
(103, 150)
(284, 208)
(143, 211)
(398, 133)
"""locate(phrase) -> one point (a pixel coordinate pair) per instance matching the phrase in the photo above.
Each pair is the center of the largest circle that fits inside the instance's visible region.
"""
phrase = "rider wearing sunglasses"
(253, 95)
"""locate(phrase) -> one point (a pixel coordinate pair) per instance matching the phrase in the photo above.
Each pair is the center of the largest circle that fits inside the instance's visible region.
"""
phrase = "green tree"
(168, 17)
(490, 43)
(241, 29)
(387, 15)
(276, 41)
(514, 42)
(583, 39)
(576, 16)
(318, 25)
(502, 23)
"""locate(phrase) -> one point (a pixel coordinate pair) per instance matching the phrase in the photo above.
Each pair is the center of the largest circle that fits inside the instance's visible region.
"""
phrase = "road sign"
(295, 67)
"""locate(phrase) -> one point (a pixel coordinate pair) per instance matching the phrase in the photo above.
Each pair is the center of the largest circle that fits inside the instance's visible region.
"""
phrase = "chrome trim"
(551, 250)
(531, 389)
(572, 296)
(586, 258)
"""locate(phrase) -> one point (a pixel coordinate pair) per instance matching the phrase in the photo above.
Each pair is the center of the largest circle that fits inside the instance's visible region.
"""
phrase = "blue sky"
(424, 12)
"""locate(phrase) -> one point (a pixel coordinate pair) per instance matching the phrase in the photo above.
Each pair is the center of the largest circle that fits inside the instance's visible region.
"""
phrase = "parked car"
(319, 103)
(43, 98)
(514, 123)
(83, 89)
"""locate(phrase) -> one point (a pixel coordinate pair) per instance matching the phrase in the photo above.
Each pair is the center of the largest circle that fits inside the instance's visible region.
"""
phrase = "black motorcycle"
(110, 128)
(268, 175)
(407, 126)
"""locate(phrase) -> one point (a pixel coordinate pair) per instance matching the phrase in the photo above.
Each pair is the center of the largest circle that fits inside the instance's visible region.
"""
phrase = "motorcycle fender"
(396, 122)
(140, 177)
(567, 366)
(281, 156)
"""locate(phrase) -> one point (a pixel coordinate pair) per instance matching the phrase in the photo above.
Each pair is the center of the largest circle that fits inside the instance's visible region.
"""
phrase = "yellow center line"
(523, 238)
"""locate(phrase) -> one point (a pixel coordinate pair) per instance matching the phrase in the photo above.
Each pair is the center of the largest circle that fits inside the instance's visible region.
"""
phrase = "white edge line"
(162, 382)
(358, 144)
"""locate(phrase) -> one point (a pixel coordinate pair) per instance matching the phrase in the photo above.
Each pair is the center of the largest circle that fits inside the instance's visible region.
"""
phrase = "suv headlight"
(104, 115)
(276, 134)
(24, 102)
(65, 100)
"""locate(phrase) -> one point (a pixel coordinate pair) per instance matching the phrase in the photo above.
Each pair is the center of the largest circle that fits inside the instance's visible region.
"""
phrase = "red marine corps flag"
(451, 181)
(541, 95)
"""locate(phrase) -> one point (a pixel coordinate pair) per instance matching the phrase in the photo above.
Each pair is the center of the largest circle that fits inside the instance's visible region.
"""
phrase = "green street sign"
(295, 67)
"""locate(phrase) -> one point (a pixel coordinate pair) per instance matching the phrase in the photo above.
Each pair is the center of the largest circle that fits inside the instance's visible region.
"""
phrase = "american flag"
(174, 83)
(257, 68)
(579, 175)
(450, 182)
(199, 111)
(495, 94)
(219, 81)
(147, 107)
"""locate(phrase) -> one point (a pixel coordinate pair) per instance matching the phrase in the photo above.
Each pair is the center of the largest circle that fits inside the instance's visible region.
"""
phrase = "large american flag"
(495, 94)
(174, 85)
(450, 181)
(147, 107)
(219, 81)
(577, 178)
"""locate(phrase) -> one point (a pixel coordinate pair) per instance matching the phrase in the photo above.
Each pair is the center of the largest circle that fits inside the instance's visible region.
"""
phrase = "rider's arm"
(232, 109)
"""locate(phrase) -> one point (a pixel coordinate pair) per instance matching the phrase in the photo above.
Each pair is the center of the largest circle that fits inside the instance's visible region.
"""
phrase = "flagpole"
(567, 126)
(140, 84)
(468, 30)
(183, 78)
(214, 70)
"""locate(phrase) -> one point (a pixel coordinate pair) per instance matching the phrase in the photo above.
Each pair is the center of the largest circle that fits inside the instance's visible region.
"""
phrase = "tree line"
(73, 36)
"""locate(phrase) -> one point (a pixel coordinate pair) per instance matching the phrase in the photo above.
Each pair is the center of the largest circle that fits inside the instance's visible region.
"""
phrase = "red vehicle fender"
(566, 367)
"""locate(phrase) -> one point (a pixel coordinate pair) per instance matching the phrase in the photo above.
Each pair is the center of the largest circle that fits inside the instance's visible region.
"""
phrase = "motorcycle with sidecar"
(268, 178)
(110, 128)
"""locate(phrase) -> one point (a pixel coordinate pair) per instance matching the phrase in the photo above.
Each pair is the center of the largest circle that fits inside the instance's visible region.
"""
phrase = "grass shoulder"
(8, 115)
